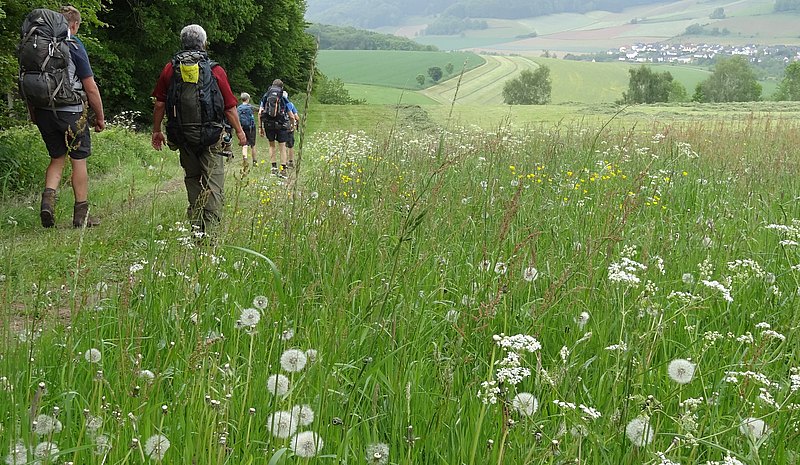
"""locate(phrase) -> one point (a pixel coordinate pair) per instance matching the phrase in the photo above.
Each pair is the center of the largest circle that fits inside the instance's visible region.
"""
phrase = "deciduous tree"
(732, 81)
(530, 88)
(648, 86)
(435, 73)
(789, 88)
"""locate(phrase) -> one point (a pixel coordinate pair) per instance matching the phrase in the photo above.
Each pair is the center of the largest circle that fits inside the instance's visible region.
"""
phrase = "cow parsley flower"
(282, 424)
(378, 454)
(639, 431)
(278, 385)
(156, 446)
(293, 360)
(726, 293)
(517, 343)
(525, 404)
(681, 371)
(304, 414)
(306, 444)
(93, 355)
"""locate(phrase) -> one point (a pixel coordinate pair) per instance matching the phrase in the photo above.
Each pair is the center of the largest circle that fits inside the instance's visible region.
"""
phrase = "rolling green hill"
(390, 68)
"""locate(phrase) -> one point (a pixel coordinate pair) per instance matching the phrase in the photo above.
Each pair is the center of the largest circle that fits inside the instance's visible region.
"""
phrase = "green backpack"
(195, 108)
(46, 71)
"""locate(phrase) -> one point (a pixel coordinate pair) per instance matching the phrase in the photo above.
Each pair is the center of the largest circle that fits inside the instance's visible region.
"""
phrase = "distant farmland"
(397, 69)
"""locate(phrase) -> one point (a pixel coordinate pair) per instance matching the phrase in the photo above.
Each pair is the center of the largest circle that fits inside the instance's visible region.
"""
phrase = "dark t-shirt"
(81, 60)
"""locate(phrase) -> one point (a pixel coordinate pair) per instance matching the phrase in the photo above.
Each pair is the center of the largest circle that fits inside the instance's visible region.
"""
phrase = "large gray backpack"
(45, 66)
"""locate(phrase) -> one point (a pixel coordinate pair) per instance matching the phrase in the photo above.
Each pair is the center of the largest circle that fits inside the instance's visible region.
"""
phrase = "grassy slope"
(389, 68)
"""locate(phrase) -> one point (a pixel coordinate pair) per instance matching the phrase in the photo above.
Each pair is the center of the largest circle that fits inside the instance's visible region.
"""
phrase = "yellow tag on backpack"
(190, 73)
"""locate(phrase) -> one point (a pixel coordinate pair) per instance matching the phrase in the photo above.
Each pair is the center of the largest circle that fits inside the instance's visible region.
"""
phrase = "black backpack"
(46, 71)
(195, 107)
(274, 108)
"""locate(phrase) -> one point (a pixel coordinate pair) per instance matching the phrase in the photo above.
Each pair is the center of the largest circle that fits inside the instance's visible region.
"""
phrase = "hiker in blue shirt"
(294, 124)
(248, 120)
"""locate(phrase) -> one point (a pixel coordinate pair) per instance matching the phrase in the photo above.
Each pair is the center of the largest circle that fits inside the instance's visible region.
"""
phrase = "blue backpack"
(246, 117)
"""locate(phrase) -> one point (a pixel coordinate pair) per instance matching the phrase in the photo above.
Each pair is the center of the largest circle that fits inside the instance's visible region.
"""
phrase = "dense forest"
(377, 13)
(130, 41)
(350, 38)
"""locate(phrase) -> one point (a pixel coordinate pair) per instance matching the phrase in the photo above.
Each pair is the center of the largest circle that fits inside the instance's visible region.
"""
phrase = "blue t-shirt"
(290, 107)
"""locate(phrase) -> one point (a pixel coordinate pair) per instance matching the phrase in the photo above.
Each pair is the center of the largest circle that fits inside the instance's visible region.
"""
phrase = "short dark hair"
(278, 82)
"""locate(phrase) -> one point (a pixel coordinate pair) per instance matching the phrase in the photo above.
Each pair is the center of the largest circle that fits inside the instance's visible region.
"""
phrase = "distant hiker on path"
(275, 124)
(195, 119)
(294, 125)
(248, 121)
(50, 49)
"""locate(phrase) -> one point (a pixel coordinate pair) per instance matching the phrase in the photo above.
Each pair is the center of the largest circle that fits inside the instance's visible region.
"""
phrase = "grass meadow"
(543, 293)
(390, 68)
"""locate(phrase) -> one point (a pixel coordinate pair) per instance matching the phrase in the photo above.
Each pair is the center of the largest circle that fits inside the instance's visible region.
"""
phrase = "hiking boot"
(274, 171)
(290, 164)
(47, 213)
(81, 217)
(281, 174)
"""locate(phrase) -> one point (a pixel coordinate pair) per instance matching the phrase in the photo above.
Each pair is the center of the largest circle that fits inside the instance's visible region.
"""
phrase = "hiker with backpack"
(56, 80)
(294, 125)
(275, 124)
(248, 121)
(194, 94)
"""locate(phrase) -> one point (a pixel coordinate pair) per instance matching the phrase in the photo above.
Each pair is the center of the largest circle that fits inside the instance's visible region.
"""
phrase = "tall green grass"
(400, 258)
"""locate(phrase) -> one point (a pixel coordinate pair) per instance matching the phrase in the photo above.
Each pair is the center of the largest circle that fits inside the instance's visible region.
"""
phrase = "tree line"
(378, 13)
(349, 38)
(130, 41)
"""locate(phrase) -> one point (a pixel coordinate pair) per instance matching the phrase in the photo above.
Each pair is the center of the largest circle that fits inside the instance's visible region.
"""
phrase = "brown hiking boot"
(81, 217)
(47, 211)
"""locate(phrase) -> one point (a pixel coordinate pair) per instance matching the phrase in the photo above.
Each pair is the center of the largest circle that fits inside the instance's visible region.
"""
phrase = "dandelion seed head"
(156, 446)
(311, 355)
(754, 428)
(582, 319)
(293, 360)
(17, 454)
(45, 450)
(530, 274)
(147, 375)
(282, 424)
(93, 355)
(287, 334)
(278, 385)
(378, 454)
(93, 423)
(681, 371)
(250, 317)
(260, 302)
(304, 414)
(45, 425)
(500, 268)
(639, 431)
(525, 404)
(306, 444)
(102, 444)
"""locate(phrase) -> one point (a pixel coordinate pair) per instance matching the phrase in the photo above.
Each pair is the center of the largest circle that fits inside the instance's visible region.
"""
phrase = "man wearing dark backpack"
(194, 93)
(274, 125)
(55, 78)
(248, 121)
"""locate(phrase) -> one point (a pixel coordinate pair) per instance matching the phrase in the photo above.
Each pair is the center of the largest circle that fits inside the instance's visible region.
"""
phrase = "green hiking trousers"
(204, 178)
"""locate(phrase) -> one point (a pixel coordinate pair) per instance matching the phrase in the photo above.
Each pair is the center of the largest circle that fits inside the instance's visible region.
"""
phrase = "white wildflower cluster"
(564, 405)
(685, 298)
(794, 379)
(664, 460)
(625, 271)
(685, 149)
(510, 371)
(705, 269)
(621, 347)
(743, 270)
(489, 392)
(590, 413)
(771, 334)
(765, 396)
(716, 285)
(517, 343)
(727, 460)
(789, 232)
(733, 377)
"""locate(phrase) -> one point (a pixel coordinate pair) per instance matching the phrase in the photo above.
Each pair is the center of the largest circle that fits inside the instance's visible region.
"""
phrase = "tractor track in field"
(483, 84)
